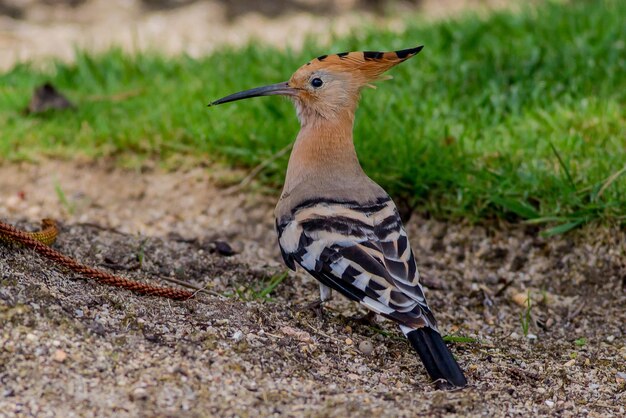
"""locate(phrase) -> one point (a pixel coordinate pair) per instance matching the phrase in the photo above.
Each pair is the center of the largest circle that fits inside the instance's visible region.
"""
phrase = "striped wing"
(362, 251)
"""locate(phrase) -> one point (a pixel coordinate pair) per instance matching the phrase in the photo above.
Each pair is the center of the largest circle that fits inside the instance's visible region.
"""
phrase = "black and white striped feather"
(362, 251)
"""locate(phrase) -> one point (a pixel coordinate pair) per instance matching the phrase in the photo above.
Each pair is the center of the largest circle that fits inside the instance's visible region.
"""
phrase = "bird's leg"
(326, 293)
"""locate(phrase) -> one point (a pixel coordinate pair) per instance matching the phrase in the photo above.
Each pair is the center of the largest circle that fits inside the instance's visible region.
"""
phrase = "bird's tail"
(436, 356)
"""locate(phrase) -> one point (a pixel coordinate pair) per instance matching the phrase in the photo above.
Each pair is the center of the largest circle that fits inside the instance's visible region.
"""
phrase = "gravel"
(69, 347)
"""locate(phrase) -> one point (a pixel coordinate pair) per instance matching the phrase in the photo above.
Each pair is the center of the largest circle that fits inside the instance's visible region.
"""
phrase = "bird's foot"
(369, 319)
(316, 306)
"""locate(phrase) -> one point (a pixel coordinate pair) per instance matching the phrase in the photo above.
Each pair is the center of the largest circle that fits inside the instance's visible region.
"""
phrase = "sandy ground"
(73, 348)
(186, 204)
(32, 29)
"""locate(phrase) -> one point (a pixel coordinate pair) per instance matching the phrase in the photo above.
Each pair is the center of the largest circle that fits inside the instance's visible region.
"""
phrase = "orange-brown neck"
(323, 152)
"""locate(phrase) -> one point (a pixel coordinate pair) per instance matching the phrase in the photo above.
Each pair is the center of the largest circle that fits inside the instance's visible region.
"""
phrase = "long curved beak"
(282, 89)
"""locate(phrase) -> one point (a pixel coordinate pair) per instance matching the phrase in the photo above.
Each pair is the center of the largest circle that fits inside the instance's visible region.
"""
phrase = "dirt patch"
(69, 347)
(183, 205)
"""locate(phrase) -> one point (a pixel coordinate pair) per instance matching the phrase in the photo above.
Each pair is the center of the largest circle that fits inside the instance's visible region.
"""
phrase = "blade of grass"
(563, 166)
(522, 209)
(69, 207)
(459, 339)
(274, 282)
(610, 181)
(563, 228)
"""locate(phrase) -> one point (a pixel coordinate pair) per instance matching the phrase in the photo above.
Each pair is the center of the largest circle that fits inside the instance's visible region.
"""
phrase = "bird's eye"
(317, 82)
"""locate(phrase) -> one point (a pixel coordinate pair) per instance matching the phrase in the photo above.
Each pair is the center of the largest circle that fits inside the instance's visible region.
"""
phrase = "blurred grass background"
(518, 115)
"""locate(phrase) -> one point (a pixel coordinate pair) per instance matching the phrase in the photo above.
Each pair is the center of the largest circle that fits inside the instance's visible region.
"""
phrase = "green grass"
(525, 317)
(260, 290)
(69, 207)
(460, 339)
(513, 115)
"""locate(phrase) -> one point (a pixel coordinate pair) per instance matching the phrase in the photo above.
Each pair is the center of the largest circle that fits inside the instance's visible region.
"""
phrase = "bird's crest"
(370, 65)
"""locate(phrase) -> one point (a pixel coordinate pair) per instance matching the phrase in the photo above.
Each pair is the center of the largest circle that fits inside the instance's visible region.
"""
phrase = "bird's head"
(328, 86)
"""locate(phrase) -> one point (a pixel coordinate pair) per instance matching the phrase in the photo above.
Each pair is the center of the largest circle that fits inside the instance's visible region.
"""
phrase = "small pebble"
(224, 248)
(349, 341)
(139, 394)
(620, 377)
(570, 363)
(366, 347)
(520, 299)
(59, 356)
(300, 335)
(550, 403)
(237, 336)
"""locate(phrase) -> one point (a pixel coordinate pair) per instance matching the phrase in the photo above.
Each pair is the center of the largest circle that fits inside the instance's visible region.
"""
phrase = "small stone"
(610, 338)
(620, 377)
(541, 390)
(300, 335)
(349, 341)
(59, 356)
(139, 394)
(237, 336)
(531, 336)
(366, 347)
(520, 299)
(97, 328)
(224, 248)
(550, 403)
(570, 363)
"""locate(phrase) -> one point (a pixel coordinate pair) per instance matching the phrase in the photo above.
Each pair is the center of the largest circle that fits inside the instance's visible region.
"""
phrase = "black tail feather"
(436, 356)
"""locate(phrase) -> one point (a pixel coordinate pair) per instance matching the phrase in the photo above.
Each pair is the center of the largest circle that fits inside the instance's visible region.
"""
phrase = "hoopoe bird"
(337, 223)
